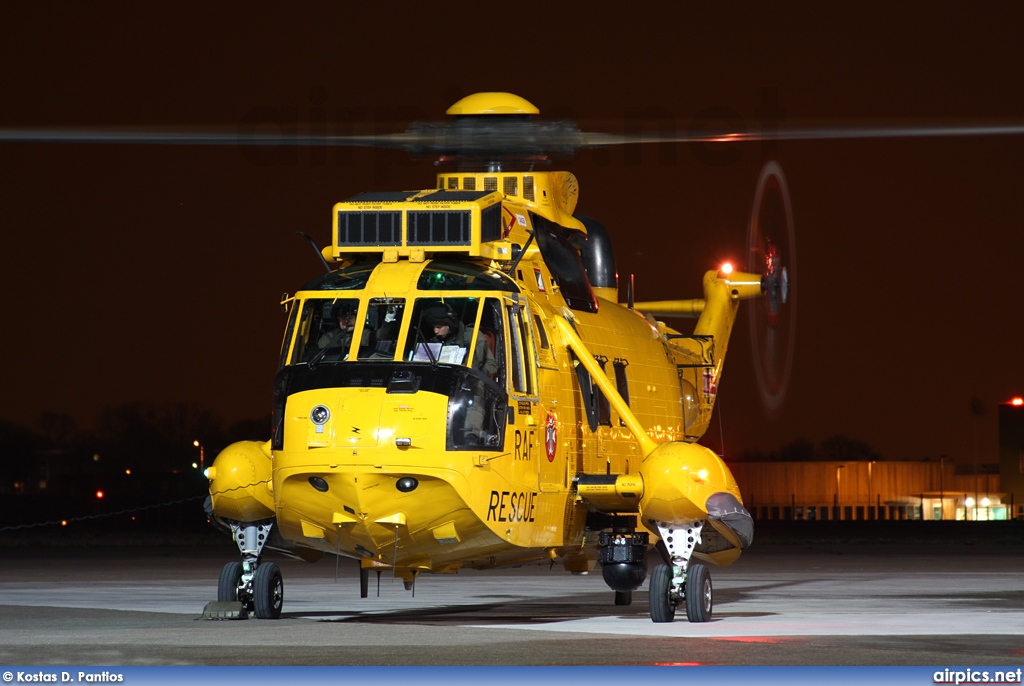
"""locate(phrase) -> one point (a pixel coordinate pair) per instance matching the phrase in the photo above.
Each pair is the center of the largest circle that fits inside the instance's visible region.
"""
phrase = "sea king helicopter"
(464, 386)
(463, 389)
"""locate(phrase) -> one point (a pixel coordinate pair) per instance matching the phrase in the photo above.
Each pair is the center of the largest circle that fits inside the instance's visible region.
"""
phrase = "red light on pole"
(99, 495)
(1017, 401)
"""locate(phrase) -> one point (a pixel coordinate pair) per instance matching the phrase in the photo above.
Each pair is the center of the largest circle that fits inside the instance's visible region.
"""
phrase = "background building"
(928, 490)
(1011, 453)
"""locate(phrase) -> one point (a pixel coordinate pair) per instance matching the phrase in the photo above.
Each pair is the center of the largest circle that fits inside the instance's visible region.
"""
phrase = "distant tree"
(19, 449)
(800, 450)
(58, 429)
(842, 449)
(752, 455)
(155, 437)
(249, 430)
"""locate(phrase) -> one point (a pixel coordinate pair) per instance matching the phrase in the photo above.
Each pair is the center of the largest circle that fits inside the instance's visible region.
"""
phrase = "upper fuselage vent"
(415, 223)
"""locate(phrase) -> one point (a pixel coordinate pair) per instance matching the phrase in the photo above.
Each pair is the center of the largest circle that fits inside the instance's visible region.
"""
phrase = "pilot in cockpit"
(345, 315)
(448, 330)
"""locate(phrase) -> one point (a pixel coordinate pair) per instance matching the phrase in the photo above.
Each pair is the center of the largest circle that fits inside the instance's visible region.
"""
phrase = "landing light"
(319, 415)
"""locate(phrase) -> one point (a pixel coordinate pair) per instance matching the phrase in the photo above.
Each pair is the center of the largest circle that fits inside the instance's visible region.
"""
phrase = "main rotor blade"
(587, 139)
(401, 141)
(480, 139)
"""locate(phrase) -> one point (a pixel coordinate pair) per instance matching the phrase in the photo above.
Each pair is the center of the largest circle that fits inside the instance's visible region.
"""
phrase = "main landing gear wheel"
(662, 607)
(268, 591)
(227, 587)
(698, 593)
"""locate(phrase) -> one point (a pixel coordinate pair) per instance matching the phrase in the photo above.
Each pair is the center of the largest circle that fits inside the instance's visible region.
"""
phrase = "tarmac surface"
(778, 605)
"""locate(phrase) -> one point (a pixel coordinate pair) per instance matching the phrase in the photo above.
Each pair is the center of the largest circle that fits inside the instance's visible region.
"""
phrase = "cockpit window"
(451, 275)
(325, 329)
(464, 331)
(293, 316)
(380, 328)
(351, 278)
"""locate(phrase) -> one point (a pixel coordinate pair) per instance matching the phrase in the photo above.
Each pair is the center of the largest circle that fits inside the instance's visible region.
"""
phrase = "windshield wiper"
(426, 346)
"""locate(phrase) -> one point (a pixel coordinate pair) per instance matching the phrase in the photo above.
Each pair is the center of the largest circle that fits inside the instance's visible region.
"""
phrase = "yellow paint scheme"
(485, 508)
(493, 103)
(240, 482)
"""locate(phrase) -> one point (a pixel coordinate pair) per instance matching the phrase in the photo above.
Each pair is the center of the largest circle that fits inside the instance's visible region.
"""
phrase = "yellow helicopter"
(463, 389)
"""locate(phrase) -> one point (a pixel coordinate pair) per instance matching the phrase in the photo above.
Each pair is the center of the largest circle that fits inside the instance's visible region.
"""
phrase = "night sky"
(155, 272)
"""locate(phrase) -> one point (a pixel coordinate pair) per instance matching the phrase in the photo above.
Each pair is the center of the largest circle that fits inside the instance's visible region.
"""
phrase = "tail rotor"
(771, 252)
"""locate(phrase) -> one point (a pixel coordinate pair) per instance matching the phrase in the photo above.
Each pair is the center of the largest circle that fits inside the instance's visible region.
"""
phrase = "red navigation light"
(99, 495)
(1017, 402)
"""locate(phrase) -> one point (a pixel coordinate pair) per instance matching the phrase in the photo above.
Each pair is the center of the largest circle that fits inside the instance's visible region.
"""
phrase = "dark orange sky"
(136, 272)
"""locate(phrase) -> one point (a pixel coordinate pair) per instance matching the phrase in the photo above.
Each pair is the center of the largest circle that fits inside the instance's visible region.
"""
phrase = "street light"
(838, 482)
(202, 457)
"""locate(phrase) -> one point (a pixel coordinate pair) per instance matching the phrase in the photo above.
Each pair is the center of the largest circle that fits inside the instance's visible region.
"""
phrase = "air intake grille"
(490, 183)
(528, 188)
(511, 185)
(469, 183)
(490, 223)
(369, 228)
(440, 228)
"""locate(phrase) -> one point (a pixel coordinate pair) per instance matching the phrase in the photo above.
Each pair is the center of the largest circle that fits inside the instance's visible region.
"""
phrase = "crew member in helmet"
(449, 330)
(345, 314)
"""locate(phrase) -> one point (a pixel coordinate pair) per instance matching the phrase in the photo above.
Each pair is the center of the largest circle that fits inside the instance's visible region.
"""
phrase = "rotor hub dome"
(493, 103)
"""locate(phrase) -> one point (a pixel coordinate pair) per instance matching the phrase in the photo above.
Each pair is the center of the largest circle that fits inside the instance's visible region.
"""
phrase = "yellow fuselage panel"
(358, 466)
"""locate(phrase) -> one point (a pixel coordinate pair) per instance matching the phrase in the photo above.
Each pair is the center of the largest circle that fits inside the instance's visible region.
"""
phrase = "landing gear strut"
(682, 582)
(257, 585)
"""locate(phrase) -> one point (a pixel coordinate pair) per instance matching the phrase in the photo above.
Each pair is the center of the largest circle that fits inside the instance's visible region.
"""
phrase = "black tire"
(662, 608)
(227, 587)
(698, 593)
(623, 597)
(268, 591)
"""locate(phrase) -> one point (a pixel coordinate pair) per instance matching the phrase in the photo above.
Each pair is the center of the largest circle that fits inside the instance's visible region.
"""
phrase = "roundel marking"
(551, 436)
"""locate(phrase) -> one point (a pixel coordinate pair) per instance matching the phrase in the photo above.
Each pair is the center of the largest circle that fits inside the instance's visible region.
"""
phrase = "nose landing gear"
(258, 586)
(682, 582)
